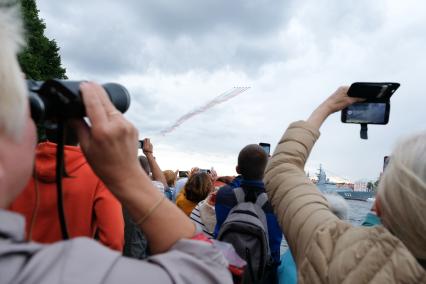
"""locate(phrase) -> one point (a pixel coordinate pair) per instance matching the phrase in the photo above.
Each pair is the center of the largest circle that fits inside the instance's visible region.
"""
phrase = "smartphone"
(368, 113)
(183, 174)
(373, 91)
(375, 109)
(205, 171)
(266, 147)
(140, 144)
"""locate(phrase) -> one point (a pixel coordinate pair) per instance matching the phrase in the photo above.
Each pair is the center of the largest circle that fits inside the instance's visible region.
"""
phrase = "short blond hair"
(402, 194)
(13, 98)
(170, 177)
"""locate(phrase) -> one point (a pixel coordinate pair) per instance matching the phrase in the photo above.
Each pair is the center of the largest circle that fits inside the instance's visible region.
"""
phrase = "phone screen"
(266, 147)
(374, 113)
(183, 174)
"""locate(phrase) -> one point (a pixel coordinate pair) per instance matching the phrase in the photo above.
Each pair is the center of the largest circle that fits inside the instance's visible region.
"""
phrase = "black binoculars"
(61, 99)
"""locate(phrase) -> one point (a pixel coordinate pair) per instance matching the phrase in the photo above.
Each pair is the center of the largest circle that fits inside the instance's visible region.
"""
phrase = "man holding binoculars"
(110, 146)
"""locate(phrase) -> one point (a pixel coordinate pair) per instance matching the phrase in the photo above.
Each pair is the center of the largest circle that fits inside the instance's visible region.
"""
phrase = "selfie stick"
(363, 133)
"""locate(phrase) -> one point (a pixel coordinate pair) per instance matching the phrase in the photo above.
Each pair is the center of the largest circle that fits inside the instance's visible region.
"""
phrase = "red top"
(89, 206)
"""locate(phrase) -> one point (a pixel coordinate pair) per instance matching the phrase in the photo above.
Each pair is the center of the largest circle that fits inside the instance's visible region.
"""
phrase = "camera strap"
(364, 131)
(59, 174)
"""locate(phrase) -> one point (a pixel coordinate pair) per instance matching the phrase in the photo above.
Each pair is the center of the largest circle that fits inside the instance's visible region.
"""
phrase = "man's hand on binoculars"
(110, 142)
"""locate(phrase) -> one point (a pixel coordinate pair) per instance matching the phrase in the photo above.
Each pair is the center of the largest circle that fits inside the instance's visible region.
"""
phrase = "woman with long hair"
(196, 189)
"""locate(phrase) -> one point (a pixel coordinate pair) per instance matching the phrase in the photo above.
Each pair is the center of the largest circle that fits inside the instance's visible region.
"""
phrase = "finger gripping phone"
(375, 109)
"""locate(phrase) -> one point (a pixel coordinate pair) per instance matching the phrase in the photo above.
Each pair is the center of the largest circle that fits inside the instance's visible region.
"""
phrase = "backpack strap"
(261, 199)
(240, 195)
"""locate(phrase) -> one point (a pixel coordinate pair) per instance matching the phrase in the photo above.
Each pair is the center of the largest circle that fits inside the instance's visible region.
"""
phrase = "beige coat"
(326, 249)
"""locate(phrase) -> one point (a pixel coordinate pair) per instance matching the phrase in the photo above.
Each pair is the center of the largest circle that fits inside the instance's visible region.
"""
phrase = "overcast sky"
(174, 56)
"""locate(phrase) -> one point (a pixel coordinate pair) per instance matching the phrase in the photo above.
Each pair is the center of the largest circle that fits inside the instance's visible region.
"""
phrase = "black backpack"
(246, 229)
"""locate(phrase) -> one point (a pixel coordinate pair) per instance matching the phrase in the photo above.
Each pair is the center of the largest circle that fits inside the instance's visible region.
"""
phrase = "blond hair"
(402, 194)
(170, 177)
(13, 97)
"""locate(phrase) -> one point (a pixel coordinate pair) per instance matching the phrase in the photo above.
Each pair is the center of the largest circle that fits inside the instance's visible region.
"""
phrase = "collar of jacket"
(12, 225)
(253, 183)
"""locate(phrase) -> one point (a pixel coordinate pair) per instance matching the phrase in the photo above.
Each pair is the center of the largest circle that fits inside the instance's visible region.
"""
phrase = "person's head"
(252, 161)
(338, 205)
(198, 187)
(144, 164)
(17, 130)
(170, 177)
(402, 194)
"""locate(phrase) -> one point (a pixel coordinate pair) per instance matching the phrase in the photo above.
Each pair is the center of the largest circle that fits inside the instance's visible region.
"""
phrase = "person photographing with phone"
(135, 242)
(328, 250)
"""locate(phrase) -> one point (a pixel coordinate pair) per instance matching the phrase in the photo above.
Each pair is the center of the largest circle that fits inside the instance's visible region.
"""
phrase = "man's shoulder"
(225, 195)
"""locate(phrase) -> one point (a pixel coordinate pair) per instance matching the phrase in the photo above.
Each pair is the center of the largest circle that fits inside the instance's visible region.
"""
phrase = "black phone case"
(373, 91)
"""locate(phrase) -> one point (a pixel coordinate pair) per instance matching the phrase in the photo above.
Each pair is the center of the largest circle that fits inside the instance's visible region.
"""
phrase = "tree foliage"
(373, 186)
(40, 60)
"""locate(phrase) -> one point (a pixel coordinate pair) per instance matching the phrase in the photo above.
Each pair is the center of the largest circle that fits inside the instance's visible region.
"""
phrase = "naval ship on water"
(346, 192)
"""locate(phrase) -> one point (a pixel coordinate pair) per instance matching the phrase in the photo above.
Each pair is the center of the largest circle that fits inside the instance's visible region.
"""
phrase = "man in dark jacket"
(252, 161)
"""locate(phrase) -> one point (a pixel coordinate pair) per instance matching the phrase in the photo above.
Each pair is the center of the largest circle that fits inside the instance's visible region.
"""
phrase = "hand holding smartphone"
(375, 109)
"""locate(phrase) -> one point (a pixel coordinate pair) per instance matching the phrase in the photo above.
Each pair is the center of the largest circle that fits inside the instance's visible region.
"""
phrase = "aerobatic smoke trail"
(218, 100)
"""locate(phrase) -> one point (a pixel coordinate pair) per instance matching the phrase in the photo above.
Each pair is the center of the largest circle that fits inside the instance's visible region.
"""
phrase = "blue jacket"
(225, 201)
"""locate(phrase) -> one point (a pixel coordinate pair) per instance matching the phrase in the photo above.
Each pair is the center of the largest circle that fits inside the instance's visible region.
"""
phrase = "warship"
(346, 192)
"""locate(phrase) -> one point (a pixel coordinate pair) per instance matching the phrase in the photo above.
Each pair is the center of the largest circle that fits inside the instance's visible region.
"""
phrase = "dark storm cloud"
(175, 55)
(196, 18)
(107, 38)
(132, 36)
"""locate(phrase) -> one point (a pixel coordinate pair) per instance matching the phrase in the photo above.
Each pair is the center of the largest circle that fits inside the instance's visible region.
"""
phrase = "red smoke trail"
(218, 100)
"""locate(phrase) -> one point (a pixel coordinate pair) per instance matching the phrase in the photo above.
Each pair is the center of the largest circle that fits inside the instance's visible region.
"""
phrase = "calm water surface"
(358, 210)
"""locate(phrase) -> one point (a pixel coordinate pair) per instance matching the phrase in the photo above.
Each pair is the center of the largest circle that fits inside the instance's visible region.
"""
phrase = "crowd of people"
(127, 220)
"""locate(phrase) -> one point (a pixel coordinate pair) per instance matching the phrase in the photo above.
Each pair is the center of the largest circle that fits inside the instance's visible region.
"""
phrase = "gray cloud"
(167, 35)
(176, 55)
(134, 36)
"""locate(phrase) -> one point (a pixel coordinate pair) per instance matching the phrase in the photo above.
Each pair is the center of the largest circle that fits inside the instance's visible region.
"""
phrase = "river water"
(358, 210)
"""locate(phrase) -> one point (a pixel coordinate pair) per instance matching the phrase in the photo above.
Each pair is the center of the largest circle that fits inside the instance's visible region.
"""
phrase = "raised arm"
(110, 146)
(157, 173)
(300, 207)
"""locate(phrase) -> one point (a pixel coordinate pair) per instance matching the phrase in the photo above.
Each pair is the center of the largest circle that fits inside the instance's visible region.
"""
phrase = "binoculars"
(61, 99)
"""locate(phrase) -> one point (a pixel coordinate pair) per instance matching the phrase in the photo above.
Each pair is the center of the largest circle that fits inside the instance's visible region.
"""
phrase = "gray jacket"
(82, 260)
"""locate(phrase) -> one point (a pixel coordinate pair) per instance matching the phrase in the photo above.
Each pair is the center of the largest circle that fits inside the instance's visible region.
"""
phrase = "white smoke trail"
(218, 100)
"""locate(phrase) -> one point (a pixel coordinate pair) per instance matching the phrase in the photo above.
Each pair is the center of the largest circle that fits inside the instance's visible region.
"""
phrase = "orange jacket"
(89, 206)
(184, 204)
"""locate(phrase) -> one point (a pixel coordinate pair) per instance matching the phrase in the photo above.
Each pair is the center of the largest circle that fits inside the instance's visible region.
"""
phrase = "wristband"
(150, 211)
